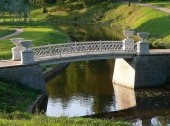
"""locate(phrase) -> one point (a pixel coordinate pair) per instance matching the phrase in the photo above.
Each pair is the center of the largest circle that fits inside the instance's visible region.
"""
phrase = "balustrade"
(80, 48)
(73, 49)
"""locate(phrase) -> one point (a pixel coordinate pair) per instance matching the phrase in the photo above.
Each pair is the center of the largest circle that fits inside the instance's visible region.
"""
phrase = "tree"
(41, 3)
(17, 7)
(129, 3)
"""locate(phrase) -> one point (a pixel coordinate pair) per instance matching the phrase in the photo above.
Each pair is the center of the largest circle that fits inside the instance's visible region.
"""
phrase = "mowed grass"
(24, 119)
(15, 97)
(40, 35)
(5, 31)
(143, 19)
(37, 29)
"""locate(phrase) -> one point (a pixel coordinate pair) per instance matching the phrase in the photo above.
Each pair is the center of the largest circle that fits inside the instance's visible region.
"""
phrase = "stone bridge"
(135, 65)
(78, 51)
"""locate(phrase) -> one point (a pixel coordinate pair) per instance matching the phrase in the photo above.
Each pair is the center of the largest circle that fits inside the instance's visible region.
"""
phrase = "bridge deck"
(10, 63)
(159, 51)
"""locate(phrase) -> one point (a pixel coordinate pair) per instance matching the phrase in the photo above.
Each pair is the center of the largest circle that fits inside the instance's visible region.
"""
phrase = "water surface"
(86, 88)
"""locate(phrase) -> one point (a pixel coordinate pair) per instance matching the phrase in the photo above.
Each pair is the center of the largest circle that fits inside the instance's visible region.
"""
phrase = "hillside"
(135, 17)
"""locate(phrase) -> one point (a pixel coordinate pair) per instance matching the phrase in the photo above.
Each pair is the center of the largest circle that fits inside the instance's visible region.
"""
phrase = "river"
(85, 88)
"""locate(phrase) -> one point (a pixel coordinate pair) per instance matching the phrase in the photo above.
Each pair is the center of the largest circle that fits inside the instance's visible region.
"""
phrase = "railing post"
(60, 50)
(27, 54)
(128, 43)
(16, 50)
(142, 46)
(75, 46)
(100, 45)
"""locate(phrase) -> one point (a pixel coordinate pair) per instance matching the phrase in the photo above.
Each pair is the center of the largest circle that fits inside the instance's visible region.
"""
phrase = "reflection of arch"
(125, 97)
(145, 107)
(80, 82)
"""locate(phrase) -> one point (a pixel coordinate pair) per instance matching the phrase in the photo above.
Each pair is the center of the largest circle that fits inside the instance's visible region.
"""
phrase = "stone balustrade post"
(142, 46)
(27, 54)
(16, 50)
(128, 43)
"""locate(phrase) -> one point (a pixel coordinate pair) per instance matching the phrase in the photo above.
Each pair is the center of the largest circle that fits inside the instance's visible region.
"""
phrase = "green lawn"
(5, 31)
(41, 35)
(143, 19)
(24, 119)
(15, 97)
(38, 30)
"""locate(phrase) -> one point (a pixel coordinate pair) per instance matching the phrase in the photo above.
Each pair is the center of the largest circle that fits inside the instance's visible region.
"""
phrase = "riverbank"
(15, 97)
(25, 119)
(14, 101)
(135, 17)
(42, 34)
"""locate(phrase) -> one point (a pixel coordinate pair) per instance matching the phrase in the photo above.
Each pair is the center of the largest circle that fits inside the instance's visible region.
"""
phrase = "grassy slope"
(14, 100)
(15, 97)
(144, 19)
(134, 17)
(5, 31)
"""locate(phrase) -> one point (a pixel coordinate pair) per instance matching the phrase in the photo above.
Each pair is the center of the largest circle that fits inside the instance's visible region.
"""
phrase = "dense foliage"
(18, 7)
(153, 0)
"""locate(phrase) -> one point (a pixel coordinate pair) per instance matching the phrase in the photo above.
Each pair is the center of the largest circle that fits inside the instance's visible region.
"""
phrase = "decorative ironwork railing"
(80, 48)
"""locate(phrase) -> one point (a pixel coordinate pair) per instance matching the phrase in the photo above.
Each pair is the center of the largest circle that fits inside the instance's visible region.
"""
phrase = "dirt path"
(17, 31)
(163, 9)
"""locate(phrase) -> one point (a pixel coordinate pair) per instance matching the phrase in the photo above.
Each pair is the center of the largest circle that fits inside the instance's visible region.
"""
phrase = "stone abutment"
(142, 71)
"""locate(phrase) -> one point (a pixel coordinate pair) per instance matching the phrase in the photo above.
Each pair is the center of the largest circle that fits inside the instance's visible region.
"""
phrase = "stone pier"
(148, 70)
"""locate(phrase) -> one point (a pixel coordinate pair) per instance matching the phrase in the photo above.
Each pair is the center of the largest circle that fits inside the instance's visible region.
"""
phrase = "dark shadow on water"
(141, 106)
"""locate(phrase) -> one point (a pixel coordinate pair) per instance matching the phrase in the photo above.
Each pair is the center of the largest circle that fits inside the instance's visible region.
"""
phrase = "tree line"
(21, 8)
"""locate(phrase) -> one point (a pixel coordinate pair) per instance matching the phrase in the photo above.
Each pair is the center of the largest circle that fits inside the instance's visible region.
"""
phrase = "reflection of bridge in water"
(142, 106)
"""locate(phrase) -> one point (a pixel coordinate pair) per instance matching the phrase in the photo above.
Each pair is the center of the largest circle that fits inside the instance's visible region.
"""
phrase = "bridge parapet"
(77, 50)
(81, 48)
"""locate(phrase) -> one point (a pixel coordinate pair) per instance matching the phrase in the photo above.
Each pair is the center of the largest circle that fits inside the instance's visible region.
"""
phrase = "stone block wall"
(30, 75)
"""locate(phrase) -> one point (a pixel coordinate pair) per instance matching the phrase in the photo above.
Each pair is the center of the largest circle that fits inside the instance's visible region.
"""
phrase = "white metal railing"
(80, 48)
